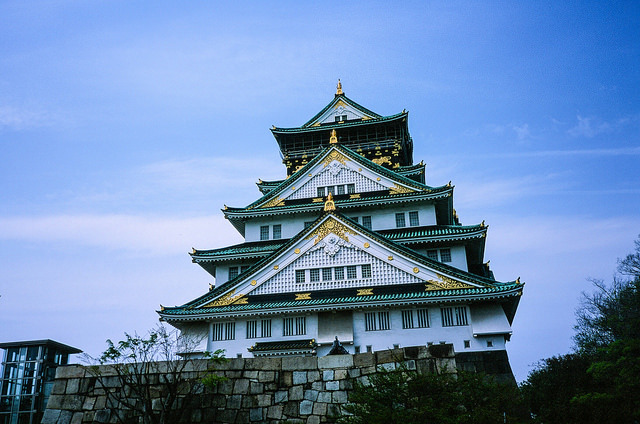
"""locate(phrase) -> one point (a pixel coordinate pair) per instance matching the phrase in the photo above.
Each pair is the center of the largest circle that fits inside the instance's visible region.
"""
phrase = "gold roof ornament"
(339, 88)
(334, 137)
(329, 205)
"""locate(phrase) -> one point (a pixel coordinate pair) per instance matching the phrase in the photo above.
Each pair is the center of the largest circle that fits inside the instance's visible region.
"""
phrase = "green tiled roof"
(432, 231)
(344, 124)
(283, 345)
(240, 249)
(506, 289)
(345, 99)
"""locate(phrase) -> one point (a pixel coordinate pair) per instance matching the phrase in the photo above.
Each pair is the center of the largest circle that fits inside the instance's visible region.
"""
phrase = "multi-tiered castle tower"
(351, 244)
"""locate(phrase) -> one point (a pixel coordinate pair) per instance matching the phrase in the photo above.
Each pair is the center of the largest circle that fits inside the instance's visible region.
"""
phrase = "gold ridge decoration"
(303, 296)
(331, 225)
(329, 205)
(364, 292)
(382, 160)
(398, 189)
(446, 283)
(278, 201)
(225, 300)
(339, 88)
(334, 137)
(335, 155)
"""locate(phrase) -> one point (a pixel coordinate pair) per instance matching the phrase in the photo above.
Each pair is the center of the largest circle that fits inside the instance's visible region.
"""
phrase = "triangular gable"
(338, 165)
(340, 107)
(336, 241)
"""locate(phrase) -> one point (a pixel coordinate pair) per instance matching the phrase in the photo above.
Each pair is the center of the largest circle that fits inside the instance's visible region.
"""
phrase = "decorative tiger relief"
(446, 283)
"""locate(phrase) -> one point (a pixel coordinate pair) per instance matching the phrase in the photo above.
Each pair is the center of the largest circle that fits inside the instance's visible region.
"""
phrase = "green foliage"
(407, 397)
(600, 382)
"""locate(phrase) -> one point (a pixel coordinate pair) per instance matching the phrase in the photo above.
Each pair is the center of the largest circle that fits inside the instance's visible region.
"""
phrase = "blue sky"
(126, 126)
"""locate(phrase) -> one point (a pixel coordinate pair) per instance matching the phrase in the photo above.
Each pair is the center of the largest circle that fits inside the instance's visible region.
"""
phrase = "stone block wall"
(257, 390)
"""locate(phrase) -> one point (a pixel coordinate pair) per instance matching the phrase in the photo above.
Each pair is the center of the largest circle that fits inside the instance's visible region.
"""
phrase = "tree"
(149, 379)
(407, 397)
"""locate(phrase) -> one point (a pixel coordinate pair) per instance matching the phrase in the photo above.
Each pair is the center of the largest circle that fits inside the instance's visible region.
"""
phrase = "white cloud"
(589, 127)
(20, 119)
(143, 235)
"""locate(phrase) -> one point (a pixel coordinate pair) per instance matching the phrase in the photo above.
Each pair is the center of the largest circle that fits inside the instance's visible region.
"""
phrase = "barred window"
(294, 326)
(277, 231)
(233, 272)
(445, 255)
(300, 276)
(331, 189)
(264, 232)
(366, 222)
(252, 327)
(423, 318)
(414, 219)
(320, 191)
(432, 254)
(366, 271)
(376, 321)
(415, 318)
(224, 331)
(314, 274)
(407, 319)
(265, 328)
(339, 273)
(326, 274)
(352, 272)
(258, 329)
(340, 189)
(400, 220)
(454, 316)
(351, 188)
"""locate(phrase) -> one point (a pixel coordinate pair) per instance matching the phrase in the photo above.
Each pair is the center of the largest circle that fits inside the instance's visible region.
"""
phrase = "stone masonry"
(257, 390)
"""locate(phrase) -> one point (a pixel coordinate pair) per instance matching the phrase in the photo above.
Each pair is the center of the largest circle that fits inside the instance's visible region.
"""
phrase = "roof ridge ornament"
(334, 138)
(339, 88)
(329, 205)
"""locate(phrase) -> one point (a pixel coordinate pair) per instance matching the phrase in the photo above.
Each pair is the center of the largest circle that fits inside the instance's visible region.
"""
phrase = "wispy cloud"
(592, 126)
(21, 119)
(138, 234)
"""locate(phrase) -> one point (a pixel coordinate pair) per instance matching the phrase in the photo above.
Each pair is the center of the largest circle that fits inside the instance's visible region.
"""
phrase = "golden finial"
(449, 184)
(518, 280)
(161, 308)
(339, 88)
(273, 127)
(193, 250)
(226, 207)
(334, 137)
(329, 205)
(210, 286)
(483, 224)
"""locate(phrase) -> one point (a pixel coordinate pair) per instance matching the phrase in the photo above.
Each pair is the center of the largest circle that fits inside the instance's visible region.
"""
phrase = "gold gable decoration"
(398, 189)
(335, 155)
(227, 299)
(278, 201)
(334, 137)
(330, 226)
(446, 283)
(329, 205)
(382, 160)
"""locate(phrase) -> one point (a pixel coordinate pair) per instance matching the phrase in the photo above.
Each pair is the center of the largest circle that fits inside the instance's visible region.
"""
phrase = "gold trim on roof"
(224, 300)
(382, 160)
(335, 155)
(445, 283)
(303, 296)
(331, 225)
(398, 189)
(364, 292)
(329, 205)
(278, 201)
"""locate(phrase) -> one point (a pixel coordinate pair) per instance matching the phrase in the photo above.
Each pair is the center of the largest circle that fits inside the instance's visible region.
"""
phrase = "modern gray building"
(28, 371)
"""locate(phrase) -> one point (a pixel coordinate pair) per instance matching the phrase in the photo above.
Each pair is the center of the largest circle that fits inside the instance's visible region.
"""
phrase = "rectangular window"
(265, 328)
(233, 272)
(352, 272)
(454, 316)
(294, 326)
(264, 232)
(326, 274)
(300, 277)
(344, 118)
(432, 254)
(407, 319)
(339, 273)
(376, 321)
(366, 222)
(277, 231)
(423, 318)
(366, 271)
(414, 220)
(340, 189)
(445, 255)
(252, 329)
(224, 331)
(351, 188)
(320, 191)
(337, 118)
(400, 220)
(331, 189)
(314, 275)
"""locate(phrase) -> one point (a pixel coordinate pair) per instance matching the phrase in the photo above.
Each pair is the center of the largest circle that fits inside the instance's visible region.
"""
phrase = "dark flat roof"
(45, 342)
